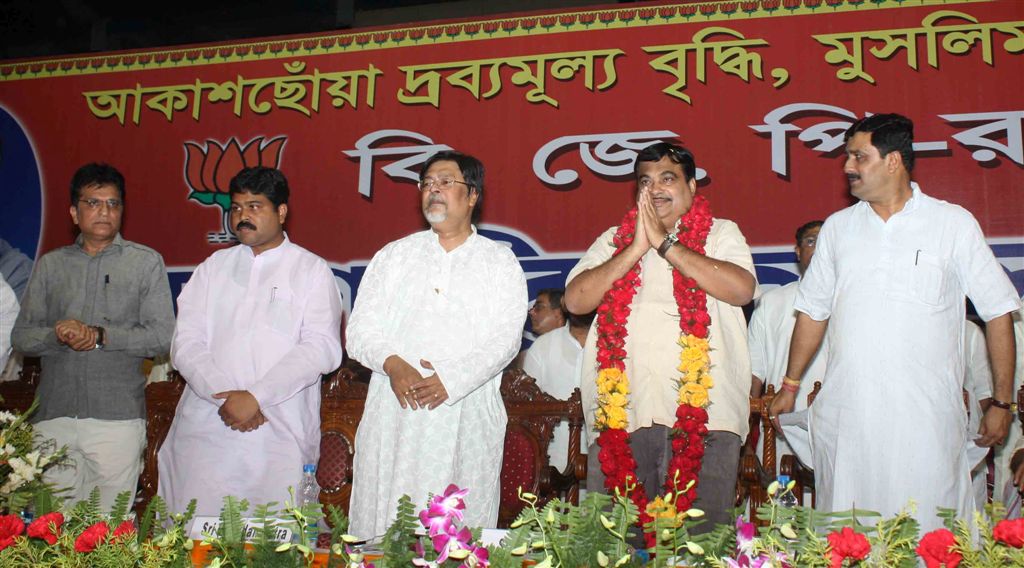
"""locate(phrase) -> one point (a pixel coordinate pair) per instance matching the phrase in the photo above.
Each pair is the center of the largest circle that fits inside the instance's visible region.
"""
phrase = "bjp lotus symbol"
(210, 167)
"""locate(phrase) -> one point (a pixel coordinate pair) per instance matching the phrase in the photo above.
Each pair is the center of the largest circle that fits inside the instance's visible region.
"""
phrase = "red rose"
(123, 529)
(40, 528)
(10, 527)
(91, 537)
(934, 549)
(848, 543)
(1010, 532)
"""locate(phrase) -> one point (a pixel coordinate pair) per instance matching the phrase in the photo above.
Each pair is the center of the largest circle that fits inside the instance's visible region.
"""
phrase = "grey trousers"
(652, 449)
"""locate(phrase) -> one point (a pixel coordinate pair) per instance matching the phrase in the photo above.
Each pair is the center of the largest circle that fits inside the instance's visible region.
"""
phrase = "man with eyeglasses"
(258, 324)
(439, 314)
(668, 210)
(92, 312)
(771, 327)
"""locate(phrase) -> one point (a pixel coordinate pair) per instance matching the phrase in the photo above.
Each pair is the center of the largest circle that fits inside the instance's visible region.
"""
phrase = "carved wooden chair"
(17, 396)
(755, 475)
(532, 417)
(161, 402)
(342, 398)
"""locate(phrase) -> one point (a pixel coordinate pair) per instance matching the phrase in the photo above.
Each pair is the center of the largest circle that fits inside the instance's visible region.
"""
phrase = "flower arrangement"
(611, 420)
(22, 463)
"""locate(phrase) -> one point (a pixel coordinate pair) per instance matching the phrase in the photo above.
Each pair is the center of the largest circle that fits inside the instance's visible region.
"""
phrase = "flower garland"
(688, 432)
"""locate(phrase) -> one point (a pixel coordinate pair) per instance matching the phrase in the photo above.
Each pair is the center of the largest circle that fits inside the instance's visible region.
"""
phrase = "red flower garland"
(690, 428)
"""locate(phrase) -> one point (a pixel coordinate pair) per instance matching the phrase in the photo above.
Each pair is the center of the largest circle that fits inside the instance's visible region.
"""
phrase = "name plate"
(202, 526)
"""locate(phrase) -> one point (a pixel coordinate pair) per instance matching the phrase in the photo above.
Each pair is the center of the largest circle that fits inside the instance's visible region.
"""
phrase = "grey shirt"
(123, 289)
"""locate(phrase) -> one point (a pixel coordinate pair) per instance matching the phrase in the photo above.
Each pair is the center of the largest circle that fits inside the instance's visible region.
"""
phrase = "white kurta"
(978, 386)
(889, 425)
(269, 324)
(463, 311)
(769, 335)
(554, 360)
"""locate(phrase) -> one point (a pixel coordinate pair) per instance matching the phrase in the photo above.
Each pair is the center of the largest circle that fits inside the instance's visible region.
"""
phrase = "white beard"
(434, 217)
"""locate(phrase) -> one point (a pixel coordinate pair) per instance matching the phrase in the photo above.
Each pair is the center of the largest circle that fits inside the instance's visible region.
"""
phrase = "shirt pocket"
(282, 312)
(928, 281)
(120, 302)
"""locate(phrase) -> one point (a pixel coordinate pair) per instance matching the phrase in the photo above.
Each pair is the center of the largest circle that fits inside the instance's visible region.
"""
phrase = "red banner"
(554, 104)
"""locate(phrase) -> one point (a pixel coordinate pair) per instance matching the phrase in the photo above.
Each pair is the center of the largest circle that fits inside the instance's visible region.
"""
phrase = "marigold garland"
(611, 419)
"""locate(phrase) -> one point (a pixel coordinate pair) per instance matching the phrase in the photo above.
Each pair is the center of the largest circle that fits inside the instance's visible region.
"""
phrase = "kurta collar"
(117, 242)
(272, 252)
(912, 204)
(469, 240)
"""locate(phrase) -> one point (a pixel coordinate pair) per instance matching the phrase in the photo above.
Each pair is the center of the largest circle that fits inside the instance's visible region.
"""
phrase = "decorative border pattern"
(519, 26)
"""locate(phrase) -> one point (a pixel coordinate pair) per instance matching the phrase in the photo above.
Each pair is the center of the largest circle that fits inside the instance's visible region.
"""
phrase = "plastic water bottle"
(786, 498)
(309, 492)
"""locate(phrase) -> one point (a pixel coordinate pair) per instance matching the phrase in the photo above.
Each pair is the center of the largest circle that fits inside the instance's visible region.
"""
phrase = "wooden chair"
(343, 396)
(161, 403)
(17, 396)
(755, 475)
(532, 417)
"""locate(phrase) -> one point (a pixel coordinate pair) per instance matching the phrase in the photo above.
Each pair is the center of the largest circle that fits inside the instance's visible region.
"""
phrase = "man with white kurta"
(438, 316)
(769, 332)
(258, 324)
(888, 281)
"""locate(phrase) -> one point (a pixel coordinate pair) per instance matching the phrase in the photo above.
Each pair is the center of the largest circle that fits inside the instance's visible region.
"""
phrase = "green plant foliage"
(401, 536)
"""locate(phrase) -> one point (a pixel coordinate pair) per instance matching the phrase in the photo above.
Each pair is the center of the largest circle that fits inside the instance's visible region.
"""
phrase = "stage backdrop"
(555, 104)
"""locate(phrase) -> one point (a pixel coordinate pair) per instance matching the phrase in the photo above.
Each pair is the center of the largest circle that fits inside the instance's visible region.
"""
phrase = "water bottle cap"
(783, 480)
(309, 468)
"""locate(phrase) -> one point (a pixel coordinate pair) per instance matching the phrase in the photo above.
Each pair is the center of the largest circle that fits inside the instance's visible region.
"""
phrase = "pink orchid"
(450, 541)
(449, 504)
(435, 525)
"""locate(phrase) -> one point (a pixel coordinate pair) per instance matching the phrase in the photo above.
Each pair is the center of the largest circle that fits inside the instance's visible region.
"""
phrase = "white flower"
(6, 416)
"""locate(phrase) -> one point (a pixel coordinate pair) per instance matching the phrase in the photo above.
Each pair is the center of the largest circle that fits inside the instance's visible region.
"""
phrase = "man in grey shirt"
(92, 311)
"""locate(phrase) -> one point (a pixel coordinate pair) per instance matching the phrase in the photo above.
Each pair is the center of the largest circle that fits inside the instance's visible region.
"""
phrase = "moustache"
(246, 225)
(435, 199)
(852, 177)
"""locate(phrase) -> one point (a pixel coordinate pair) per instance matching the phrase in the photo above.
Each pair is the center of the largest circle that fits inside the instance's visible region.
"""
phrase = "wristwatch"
(100, 335)
(670, 239)
(1011, 406)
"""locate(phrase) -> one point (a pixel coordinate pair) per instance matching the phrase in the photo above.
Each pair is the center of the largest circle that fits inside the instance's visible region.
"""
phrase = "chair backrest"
(342, 396)
(532, 417)
(755, 474)
(161, 402)
(17, 396)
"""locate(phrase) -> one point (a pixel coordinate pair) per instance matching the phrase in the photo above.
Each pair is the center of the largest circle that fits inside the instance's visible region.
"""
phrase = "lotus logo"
(210, 167)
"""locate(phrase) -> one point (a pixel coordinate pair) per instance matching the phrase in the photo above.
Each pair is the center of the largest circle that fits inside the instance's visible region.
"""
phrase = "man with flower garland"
(439, 314)
(668, 285)
(888, 282)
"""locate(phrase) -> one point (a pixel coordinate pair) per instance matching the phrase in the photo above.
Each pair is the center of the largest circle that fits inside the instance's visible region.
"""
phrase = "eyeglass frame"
(94, 204)
(444, 183)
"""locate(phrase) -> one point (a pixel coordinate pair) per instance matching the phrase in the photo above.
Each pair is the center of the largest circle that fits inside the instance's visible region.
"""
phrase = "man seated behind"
(555, 361)
(771, 327)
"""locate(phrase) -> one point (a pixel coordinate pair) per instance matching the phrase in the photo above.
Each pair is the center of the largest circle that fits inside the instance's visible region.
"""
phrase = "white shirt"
(554, 361)
(889, 424)
(653, 336)
(463, 311)
(269, 324)
(769, 335)
(8, 313)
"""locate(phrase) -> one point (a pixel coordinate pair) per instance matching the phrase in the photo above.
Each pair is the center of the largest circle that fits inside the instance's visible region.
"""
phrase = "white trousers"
(102, 453)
